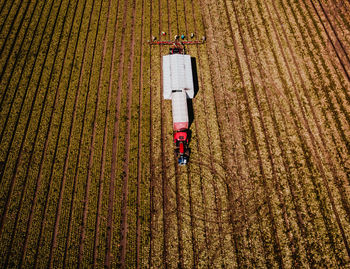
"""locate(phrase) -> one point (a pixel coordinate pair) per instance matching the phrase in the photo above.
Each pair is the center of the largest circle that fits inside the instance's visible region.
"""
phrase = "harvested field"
(88, 176)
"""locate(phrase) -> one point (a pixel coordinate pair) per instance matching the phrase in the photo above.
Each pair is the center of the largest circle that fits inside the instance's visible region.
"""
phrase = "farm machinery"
(178, 87)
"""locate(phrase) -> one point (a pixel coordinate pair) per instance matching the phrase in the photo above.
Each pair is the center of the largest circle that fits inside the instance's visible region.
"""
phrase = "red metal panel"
(180, 126)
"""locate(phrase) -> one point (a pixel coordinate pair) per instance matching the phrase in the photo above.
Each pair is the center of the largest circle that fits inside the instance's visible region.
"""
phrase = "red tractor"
(178, 87)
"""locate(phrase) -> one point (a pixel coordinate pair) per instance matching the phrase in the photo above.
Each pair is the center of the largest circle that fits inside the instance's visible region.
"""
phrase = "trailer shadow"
(194, 75)
(196, 88)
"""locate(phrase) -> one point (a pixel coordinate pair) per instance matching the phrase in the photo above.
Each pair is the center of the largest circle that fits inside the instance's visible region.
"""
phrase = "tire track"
(328, 96)
(1, 10)
(108, 258)
(12, 24)
(179, 219)
(195, 255)
(66, 163)
(163, 152)
(139, 153)
(324, 45)
(267, 143)
(105, 136)
(226, 183)
(286, 164)
(334, 44)
(124, 198)
(48, 133)
(92, 142)
(302, 140)
(25, 94)
(19, 158)
(55, 152)
(277, 248)
(297, 119)
(152, 182)
(313, 139)
(16, 60)
(211, 165)
(13, 179)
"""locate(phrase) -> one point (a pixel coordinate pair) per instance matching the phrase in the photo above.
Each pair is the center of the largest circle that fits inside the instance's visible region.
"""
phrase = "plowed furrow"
(44, 151)
(151, 145)
(273, 227)
(92, 142)
(124, 209)
(68, 151)
(108, 258)
(336, 44)
(330, 163)
(13, 178)
(19, 158)
(17, 87)
(15, 65)
(12, 24)
(286, 163)
(104, 148)
(297, 121)
(296, 262)
(139, 152)
(165, 188)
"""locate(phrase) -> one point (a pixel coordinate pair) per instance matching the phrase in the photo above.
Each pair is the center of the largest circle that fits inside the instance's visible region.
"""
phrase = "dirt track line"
(53, 240)
(139, 151)
(8, 13)
(313, 139)
(6, 158)
(216, 84)
(195, 254)
(66, 163)
(2, 8)
(332, 42)
(227, 186)
(13, 179)
(301, 138)
(217, 199)
(124, 210)
(38, 182)
(152, 182)
(17, 58)
(300, 221)
(273, 227)
(104, 148)
(232, 121)
(108, 258)
(12, 24)
(162, 145)
(267, 143)
(341, 134)
(211, 165)
(92, 142)
(339, 22)
(35, 139)
(330, 104)
(333, 62)
(23, 99)
(179, 219)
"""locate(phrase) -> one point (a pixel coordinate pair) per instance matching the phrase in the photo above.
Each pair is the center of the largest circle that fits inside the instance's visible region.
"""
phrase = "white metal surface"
(177, 75)
(179, 108)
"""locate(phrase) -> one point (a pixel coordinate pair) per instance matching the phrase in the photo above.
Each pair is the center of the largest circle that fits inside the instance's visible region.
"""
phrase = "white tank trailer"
(177, 87)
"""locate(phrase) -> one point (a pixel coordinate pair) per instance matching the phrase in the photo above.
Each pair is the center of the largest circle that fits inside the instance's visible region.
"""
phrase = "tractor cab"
(182, 152)
(177, 49)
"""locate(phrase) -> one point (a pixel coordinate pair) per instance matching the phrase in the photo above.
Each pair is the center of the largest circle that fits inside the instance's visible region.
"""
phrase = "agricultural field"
(88, 175)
